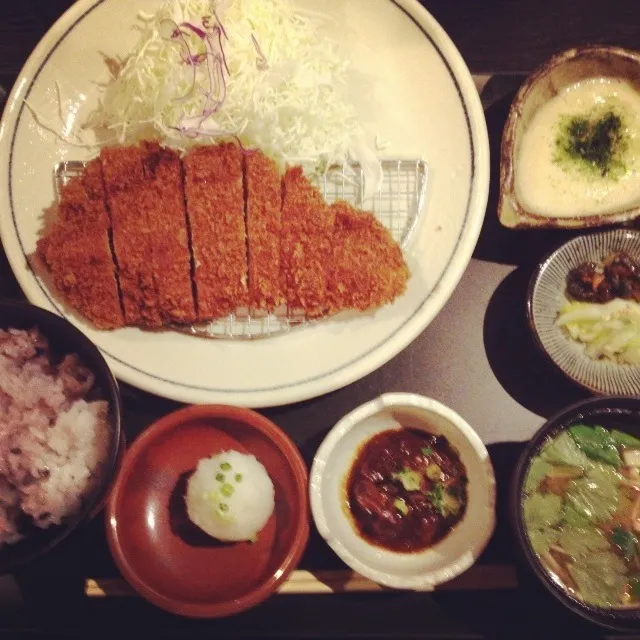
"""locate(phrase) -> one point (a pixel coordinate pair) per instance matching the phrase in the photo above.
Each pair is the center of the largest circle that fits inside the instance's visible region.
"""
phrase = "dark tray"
(477, 357)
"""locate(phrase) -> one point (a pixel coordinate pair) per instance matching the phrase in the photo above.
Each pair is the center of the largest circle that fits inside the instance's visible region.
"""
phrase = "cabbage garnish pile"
(256, 70)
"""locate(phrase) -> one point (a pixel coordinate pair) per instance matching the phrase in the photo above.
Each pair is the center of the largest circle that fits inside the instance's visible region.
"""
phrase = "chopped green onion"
(436, 497)
(238, 477)
(410, 479)
(444, 500)
(427, 451)
(434, 472)
(227, 490)
(401, 506)
(225, 466)
(220, 477)
(223, 506)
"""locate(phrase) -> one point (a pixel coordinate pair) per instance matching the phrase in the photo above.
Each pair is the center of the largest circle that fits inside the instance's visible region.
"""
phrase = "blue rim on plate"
(158, 366)
(546, 296)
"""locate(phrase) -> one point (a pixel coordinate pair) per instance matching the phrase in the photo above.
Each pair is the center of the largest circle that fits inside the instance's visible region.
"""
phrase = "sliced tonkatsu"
(77, 253)
(124, 180)
(367, 266)
(215, 208)
(145, 196)
(163, 204)
(143, 238)
(306, 244)
(264, 226)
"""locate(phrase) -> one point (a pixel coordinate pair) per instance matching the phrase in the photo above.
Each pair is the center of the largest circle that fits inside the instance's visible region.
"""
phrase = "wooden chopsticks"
(479, 577)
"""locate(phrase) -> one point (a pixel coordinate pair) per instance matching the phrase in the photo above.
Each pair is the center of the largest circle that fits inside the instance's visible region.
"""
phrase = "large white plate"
(422, 100)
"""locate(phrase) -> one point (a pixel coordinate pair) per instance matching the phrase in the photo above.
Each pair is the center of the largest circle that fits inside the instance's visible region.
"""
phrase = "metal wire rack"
(398, 204)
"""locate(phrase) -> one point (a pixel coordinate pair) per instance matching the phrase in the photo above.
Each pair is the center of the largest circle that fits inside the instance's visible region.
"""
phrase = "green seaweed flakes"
(595, 142)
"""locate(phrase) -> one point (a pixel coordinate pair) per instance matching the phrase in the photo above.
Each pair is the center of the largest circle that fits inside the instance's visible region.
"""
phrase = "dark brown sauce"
(406, 490)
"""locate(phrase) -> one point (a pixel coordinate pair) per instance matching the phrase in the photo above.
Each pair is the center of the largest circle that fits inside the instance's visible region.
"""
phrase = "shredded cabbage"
(610, 330)
(282, 91)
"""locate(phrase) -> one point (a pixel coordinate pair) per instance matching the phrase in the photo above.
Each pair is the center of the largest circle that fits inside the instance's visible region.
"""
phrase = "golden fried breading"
(126, 250)
(76, 251)
(305, 249)
(215, 209)
(124, 178)
(367, 269)
(264, 225)
(161, 200)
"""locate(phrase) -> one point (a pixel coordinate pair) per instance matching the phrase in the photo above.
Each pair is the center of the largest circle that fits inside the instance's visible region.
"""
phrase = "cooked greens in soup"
(582, 513)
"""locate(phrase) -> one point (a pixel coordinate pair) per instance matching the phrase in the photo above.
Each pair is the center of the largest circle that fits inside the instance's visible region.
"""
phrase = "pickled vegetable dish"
(603, 311)
(406, 490)
(581, 511)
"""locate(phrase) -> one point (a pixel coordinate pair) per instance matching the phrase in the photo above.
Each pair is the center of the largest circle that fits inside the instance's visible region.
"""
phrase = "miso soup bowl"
(420, 571)
(617, 412)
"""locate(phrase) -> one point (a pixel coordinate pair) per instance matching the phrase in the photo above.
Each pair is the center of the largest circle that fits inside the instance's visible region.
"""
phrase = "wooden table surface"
(492, 375)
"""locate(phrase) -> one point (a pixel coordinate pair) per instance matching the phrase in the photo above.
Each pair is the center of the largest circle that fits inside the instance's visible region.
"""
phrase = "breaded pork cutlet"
(124, 179)
(162, 202)
(305, 248)
(367, 266)
(76, 250)
(215, 208)
(264, 225)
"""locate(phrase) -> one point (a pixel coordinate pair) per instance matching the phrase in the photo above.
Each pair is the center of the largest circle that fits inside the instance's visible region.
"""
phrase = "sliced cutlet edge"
(126, 189)
(263, 199)
(368, 269)
(164, 206)
(215, 210)
(77, 251)
(305, 249)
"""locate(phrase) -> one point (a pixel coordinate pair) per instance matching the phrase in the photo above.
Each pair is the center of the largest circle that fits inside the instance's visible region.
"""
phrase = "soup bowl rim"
(618, 618)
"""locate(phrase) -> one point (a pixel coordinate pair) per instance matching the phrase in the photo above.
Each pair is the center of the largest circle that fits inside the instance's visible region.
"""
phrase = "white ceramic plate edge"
(461, 562)
(378, 355)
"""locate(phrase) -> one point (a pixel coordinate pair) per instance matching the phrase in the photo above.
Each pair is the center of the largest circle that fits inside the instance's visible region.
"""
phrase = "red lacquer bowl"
(169, 560)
